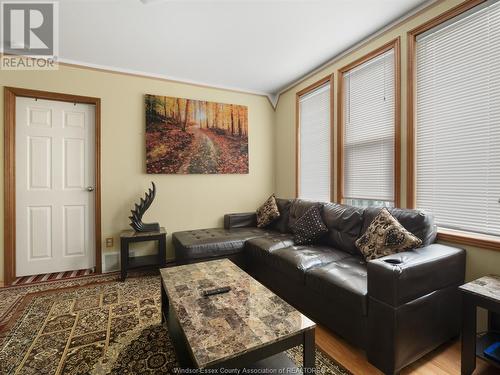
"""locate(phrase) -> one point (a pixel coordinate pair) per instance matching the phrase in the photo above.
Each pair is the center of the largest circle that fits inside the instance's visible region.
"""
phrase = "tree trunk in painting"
(205, 111)
(165, 107)
(216, 110)
(232, 120)
(178, 114)
(186, 117)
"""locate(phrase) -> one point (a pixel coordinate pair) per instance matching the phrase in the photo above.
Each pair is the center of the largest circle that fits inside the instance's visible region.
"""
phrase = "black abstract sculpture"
(136, 218)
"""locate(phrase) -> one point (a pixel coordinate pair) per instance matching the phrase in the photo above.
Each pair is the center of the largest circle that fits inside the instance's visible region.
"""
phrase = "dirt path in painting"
(202, 155)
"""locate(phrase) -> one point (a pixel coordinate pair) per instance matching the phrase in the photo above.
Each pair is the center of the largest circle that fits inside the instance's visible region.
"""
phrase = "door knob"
(90, 188)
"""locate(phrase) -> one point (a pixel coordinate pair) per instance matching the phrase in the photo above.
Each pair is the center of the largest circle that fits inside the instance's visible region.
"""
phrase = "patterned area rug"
(108, 327)
(11, 297)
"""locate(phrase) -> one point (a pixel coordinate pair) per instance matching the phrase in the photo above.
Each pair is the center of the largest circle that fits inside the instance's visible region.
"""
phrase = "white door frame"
(10, 94)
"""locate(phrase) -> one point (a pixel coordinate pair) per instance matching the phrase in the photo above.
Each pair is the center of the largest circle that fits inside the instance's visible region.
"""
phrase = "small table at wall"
(485, 293)
(157, 260)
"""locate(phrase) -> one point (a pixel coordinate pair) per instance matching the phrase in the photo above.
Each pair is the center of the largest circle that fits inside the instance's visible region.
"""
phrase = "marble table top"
(487, 286)
(226, 325)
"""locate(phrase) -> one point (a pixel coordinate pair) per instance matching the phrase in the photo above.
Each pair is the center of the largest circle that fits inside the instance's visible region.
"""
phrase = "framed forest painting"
(185, 136)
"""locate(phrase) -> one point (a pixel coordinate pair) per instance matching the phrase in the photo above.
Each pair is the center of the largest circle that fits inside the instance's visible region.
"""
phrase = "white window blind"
(458, 121)
(369, 134)
(314, 112)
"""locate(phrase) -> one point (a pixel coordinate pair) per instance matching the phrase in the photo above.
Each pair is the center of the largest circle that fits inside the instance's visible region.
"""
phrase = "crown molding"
(272, 98)
(162, 77)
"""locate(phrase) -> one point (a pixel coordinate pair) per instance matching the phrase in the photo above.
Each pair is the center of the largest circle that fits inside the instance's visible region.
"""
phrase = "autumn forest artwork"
(185, 136)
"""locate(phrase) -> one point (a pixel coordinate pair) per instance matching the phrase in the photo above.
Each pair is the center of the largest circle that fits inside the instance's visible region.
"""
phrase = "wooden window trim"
(396, 45)
(10, 94)
(463, 238)
(470, 239)
(308, 89)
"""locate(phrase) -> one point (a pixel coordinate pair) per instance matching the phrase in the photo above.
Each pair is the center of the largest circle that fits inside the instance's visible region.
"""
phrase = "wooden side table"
(157, 260)
(483, 292)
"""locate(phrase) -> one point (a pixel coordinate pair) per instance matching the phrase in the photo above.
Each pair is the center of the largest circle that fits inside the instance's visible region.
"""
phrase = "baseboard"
(111, 262)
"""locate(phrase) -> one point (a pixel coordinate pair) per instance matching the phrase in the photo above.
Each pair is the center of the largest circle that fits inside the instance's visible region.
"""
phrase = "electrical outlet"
(109, 242)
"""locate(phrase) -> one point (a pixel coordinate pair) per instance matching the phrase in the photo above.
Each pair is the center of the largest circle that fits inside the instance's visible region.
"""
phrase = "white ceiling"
(257, 46)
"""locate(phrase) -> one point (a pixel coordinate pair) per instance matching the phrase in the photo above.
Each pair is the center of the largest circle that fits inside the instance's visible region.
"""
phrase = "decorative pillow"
(309, 227)
(268, 212)
(385, 236)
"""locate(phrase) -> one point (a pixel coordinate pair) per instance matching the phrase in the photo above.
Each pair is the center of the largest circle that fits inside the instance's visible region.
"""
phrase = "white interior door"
(54, 186)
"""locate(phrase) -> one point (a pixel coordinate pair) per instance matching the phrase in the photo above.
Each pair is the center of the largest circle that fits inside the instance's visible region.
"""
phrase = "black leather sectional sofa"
(397, 308)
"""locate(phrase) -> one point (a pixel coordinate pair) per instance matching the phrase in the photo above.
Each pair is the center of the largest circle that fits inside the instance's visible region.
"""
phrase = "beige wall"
(183, 201)
(479, 262)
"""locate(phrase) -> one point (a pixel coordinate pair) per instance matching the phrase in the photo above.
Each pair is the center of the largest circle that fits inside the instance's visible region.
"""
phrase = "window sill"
(463, 238)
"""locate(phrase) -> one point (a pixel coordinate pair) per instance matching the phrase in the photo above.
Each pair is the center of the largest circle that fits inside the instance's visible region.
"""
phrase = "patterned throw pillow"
(309, 227)
(386, 236)
(268, 212)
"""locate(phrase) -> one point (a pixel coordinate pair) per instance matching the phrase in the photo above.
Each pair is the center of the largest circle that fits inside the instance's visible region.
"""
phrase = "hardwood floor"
(445, 360)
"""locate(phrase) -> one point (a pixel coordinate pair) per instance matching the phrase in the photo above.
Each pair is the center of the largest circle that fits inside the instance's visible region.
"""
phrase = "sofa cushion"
(268, 212)
(281, 223)
(295, 260)
(309, 227)
(344, 226)
(261, 246)
(206, 243)
(418, 222)
(342, 281)
(298, 207)
(386, 236)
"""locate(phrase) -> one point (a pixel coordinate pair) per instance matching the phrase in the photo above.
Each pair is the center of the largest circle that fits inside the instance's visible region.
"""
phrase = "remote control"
(211, 292)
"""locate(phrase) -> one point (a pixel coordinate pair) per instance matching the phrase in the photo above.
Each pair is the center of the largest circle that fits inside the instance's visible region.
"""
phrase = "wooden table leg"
(123, 259)
(309, 353)
(162, 251)
(468, 336)
(164, 303)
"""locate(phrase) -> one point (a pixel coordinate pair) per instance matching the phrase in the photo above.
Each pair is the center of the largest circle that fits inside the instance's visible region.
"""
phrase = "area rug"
(108, 327)
(11, 296)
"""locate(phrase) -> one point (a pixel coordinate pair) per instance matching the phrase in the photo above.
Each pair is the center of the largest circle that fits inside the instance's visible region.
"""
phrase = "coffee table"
(248, 327)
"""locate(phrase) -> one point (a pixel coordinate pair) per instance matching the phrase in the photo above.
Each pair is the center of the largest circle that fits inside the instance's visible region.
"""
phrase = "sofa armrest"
(240, 220)
(399, 278)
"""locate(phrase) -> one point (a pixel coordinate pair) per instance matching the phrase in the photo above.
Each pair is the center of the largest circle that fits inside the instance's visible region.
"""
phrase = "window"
(457, 118)
(314, 142)
(369, 117)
